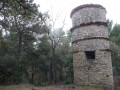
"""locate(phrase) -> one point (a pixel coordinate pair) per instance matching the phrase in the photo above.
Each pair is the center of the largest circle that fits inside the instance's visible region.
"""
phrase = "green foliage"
(115, 34)
(29, 51)
(115, 47)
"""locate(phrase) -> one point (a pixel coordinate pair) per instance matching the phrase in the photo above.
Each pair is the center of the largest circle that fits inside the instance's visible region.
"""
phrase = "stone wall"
(92, 44)
(88, 14)
(89, 33)
(96, 72)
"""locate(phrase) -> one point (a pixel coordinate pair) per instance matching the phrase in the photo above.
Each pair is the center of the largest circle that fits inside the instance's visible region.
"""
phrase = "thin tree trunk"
(19, 44)
(54, 65)
(19, 47)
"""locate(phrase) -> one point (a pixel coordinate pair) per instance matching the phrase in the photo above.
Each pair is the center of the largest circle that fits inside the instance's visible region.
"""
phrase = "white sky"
(64, 8)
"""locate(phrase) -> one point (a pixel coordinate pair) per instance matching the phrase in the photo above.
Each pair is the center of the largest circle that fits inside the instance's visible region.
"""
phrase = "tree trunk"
(19, 44)
(53, 66)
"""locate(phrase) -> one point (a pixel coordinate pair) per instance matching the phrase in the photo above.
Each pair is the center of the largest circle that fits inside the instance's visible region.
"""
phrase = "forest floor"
(53, 87)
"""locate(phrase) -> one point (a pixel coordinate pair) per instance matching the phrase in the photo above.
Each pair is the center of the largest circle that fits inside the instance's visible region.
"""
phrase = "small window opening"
(107, 75)
(90, 54)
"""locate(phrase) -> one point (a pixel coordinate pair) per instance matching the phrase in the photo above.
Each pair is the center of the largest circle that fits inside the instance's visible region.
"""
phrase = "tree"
(55, 37)
(22, 24)
(115, 46)
(115, 58)
(32, 51)
(65, 62)
(115, 34)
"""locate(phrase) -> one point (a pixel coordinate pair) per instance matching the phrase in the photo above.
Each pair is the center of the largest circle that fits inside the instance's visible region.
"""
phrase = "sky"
(61, 9)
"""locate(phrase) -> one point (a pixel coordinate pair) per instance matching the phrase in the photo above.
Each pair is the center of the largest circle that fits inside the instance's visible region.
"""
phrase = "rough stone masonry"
(91, 50)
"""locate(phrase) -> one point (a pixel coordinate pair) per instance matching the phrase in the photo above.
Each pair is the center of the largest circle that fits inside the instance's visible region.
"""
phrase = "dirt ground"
(55, 87)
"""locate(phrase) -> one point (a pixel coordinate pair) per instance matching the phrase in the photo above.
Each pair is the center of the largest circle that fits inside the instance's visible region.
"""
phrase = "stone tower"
(91, 50)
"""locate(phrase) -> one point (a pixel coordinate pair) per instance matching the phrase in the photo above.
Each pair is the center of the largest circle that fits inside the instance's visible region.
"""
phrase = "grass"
(52, 87)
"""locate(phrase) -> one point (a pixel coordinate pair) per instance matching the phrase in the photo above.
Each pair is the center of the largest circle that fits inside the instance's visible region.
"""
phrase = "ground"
(54, 87)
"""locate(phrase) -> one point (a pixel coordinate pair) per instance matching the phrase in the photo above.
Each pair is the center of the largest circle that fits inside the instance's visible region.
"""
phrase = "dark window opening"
(90, 54)
(107, 75)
